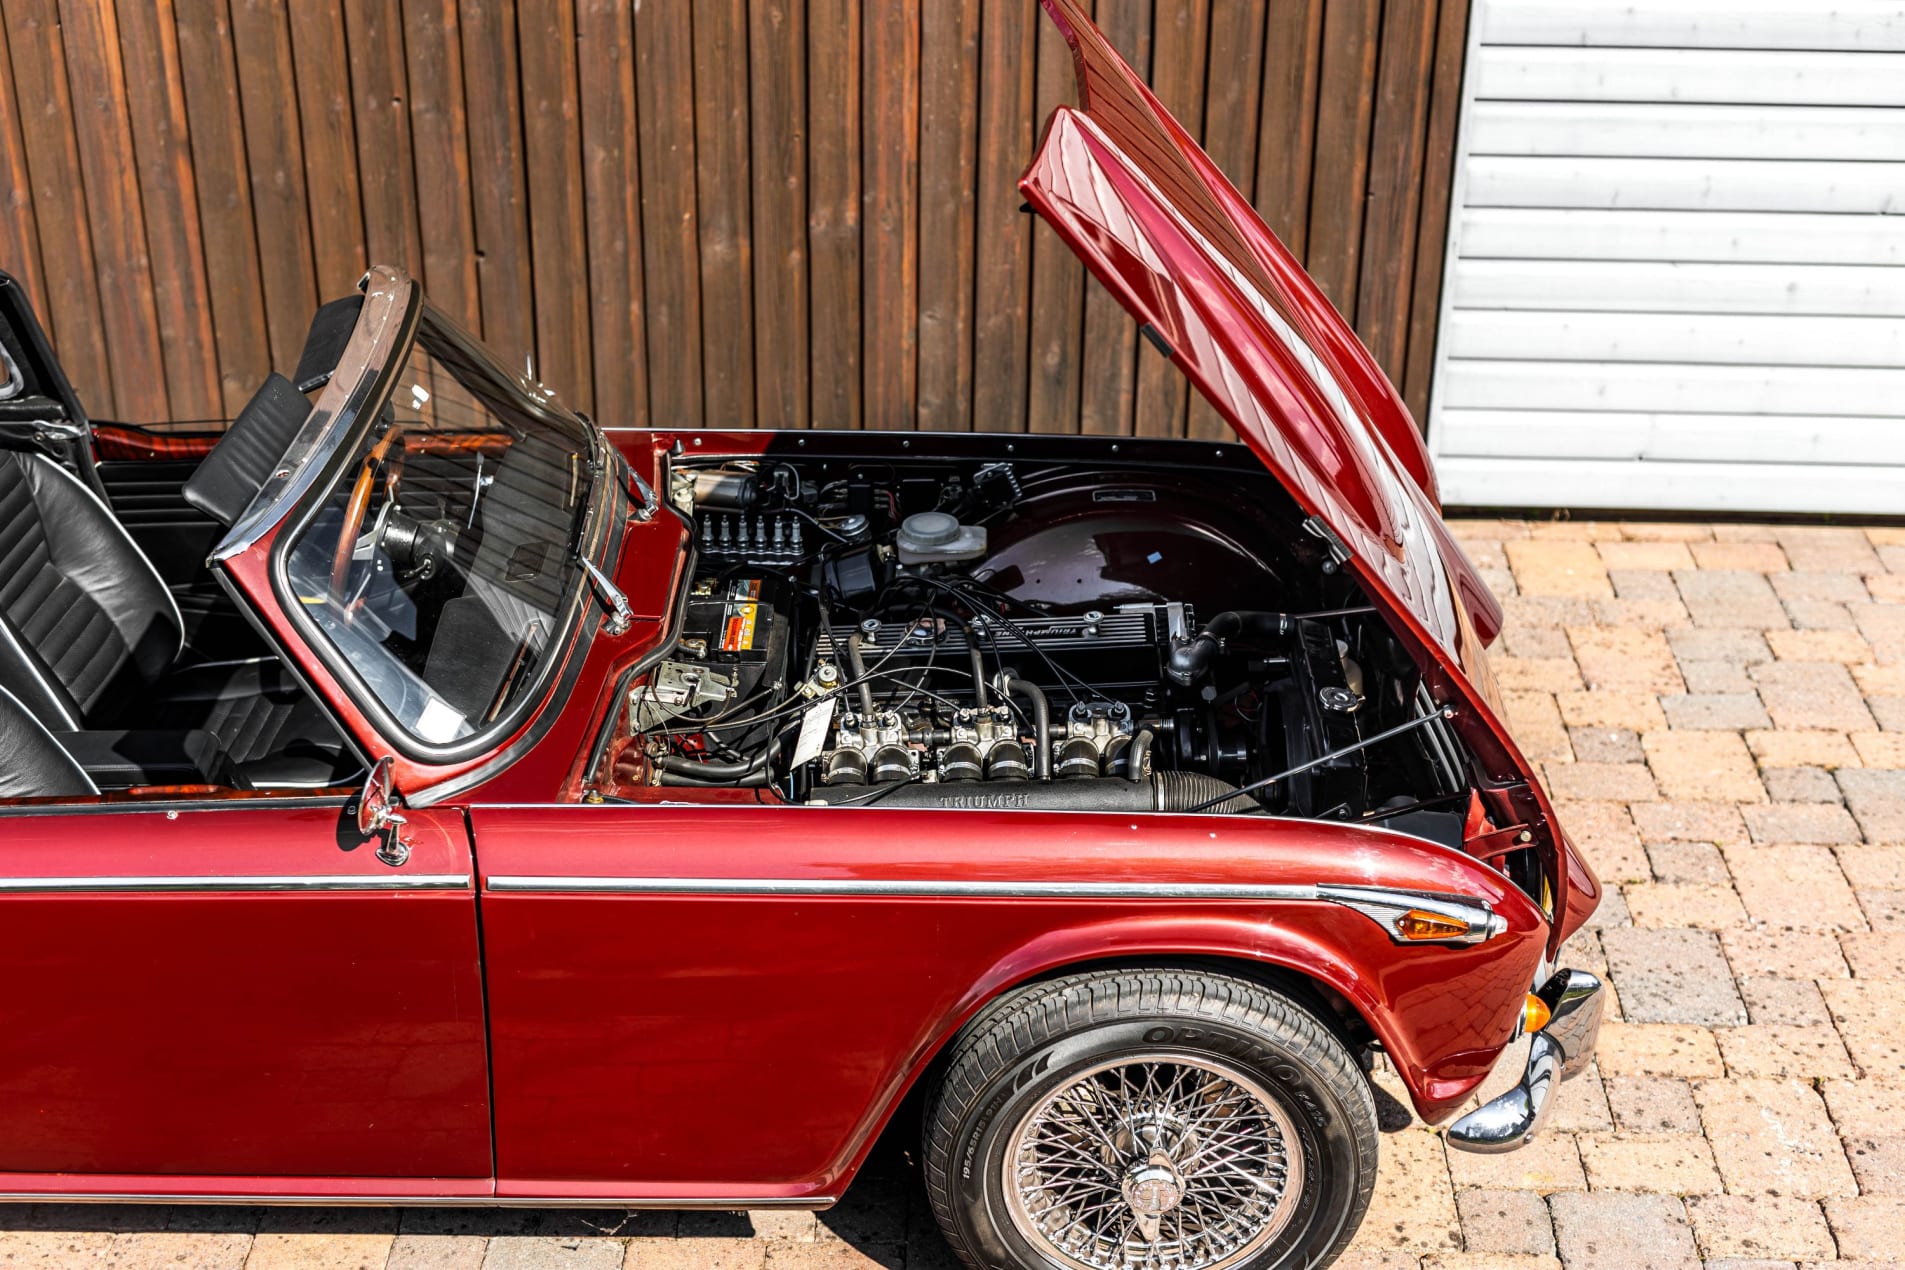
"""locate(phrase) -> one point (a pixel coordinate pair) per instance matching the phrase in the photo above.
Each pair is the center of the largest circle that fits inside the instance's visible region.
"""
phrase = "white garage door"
(1676, 273)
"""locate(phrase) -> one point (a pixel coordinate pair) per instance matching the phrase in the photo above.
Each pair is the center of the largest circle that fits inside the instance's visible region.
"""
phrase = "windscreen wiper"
(621, 616)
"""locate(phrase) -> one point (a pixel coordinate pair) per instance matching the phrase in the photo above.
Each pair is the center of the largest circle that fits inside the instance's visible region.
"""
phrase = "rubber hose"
(1136, 754)
(1041, 720)
(1189, 661)
(715, 772)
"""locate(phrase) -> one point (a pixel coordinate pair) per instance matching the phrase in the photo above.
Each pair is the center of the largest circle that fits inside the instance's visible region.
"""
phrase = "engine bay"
(1030, 635)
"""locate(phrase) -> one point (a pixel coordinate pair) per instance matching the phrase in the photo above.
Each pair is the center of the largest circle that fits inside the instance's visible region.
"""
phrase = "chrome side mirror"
(377, 814)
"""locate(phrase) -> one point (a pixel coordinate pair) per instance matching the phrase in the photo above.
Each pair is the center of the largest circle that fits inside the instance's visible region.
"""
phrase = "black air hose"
(1161, 791)
(1011, 685)
(1191, 660)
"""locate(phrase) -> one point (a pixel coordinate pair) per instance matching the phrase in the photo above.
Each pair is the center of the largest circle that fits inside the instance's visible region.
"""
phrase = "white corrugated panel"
(1676, 269)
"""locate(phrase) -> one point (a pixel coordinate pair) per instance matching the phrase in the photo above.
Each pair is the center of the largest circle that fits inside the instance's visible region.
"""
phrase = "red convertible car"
(518, 809)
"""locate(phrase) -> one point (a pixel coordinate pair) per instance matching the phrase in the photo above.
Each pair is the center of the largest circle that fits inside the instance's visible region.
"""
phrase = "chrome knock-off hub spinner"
(1154, 1163)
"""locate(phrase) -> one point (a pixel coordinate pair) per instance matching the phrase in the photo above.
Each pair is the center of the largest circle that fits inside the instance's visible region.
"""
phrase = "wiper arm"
(621, 616)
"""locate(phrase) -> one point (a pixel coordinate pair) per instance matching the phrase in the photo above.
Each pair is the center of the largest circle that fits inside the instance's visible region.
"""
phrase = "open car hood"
(1155, 220)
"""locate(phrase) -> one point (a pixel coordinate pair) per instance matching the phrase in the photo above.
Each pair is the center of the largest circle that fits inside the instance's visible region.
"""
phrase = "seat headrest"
(230, 476)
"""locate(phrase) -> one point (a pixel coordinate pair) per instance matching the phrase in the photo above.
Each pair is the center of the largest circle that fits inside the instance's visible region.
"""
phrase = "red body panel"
(270, 1033)
(721, 1040)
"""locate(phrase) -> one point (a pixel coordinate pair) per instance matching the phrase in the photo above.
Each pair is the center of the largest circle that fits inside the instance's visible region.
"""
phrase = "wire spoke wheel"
(1154, 1162)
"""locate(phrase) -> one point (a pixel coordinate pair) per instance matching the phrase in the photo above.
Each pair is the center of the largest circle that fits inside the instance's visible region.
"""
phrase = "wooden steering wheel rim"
(353, 525)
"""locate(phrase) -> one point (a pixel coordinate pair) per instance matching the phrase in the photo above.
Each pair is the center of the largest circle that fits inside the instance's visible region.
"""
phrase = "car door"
(206, 996)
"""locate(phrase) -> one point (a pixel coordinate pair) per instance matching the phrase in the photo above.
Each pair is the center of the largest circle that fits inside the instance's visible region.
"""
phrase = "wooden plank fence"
(778, 213)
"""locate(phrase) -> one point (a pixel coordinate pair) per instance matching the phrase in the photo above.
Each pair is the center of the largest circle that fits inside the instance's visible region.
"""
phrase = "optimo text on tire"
(1150, 1120)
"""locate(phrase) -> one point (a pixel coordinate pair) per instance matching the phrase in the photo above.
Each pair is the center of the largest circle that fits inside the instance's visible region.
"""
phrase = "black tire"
(1036, 1042)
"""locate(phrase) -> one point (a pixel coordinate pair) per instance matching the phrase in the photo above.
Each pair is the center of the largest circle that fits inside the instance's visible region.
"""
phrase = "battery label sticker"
(739, 617)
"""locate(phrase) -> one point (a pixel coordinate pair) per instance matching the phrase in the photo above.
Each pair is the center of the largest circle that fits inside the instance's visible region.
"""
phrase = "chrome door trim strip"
(232, 882)
(725, 1204)
(902, 888)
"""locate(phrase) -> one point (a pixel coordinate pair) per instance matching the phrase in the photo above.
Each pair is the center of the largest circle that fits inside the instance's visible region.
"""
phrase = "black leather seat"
(32, 764)
(90, 639)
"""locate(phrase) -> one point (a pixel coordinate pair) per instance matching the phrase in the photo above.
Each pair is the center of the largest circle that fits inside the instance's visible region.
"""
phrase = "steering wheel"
(360, 503)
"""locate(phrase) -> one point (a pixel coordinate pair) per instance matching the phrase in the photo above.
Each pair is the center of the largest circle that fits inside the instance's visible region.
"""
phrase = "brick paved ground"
(1721, 713)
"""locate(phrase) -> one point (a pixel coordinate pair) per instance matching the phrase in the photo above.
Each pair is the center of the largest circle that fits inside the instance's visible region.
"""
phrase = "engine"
(1028, 635)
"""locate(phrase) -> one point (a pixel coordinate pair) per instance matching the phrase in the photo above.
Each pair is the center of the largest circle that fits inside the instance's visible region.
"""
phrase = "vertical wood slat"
(274, 154)
(168, 188)
(671, 274)
(724, 199)
(1058, 278)
(492, 104)
(102, 122)
(783, 212)
(1438, 180)
(1180, 44)
(381, 107)
(611, 155)
(440, 146)
(1108, 401)
(777, 76)
(833, 212)
(73, 318)
(890, 199)
(19, 228)
(1002, 265)
(948, 158)
(328, 135)
(1234, 93)
(1340, 170)
(209, 66)
(1396, 145)
(558, 234)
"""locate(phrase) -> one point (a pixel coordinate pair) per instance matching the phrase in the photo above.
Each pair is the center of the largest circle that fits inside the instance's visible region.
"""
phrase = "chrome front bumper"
(1560, 1050)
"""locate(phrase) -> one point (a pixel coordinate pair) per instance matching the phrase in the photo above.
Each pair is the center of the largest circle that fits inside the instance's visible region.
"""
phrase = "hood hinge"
(1340, 554)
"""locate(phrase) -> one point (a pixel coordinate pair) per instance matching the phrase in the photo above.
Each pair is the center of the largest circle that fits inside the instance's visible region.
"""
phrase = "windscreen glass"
(444, 561)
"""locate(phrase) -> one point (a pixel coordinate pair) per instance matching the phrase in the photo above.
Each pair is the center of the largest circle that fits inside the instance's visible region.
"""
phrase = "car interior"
(114, 674)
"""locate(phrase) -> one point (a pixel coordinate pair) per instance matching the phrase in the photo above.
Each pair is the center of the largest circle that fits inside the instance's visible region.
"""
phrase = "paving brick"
(1773, 1137)
(1728, 710)
(1805, 747)
(1816, 823)
(1637, 711)
(1886, 588)
(1812, 694)
(1759, 557)
(1645, 585)
(1880, 681)
(1537, 725)
(1569, 530)
(1867, 1226)
(170, 1250)
(1703, 766)
(1819, 646)
(1889, 711)
(1665, 531)
(1670, 904)
(1625, 659)
(1652, 1105)
(1487, 1261)
(1870, 1115)
(1694, 863)
(1883, 626)
(339, 1250)
(1672, 976)
(1786, 954)
(1557, 568)
(1614, 782)
(1611, 913)
(1681, 821)
(1873, 867)
(53, 1249)
(1413, 1207)
(1715, 676)
(1794, 887)
(1804, 584)
(1793, 1002)
(1818, 548)
(1599, 1231)
(1679, 1164)
(782, 1255)
(1735, 599)
(1537, 642)
(1505, 1221)
(1880, 749)
(1645, 555)
(1538, 674)
(1759, 1226)
(1583, 1106)
(1604, 831)
(1360, 1258)
(1549, 1163)
(1714, 644)
(1799, 784)
(1629, 1049)
(1605, 745)
(1877, 801)
(1780, 1050)
(1818, 615)
(1866, 1014)
(437, 1252)
(717, 1253)
(1875, 954)
(1642, 614)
